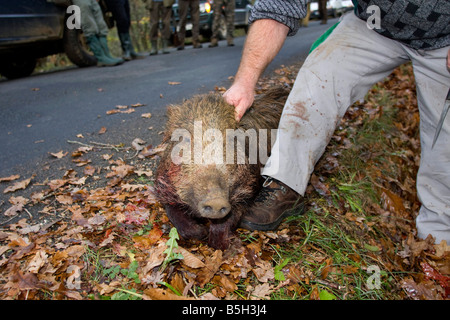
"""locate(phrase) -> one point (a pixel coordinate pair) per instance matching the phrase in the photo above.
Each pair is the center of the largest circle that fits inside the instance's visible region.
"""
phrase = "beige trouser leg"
(92, 22)
(338, 73)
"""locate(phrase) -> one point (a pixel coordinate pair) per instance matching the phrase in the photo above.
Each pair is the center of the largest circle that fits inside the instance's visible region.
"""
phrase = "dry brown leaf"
(10, 178)
(264, 272)
(149, 151)
(212, 265)
(162, 294)
(113, 111)
(38, 261)
(138, 144)
(13, 210)
(155, 257)
(393, 203)
(190, 259)
(148, 173)
(59, 154)
(64, 199)
(18, 185)
(425, 290)
(261, 291)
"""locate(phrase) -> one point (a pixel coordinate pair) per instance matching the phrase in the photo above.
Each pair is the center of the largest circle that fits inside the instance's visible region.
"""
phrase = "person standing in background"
(229, 6)
(120, 10)
(323, 11)
(159, 9)
(305, 20)
(194, 8)
(95, 31)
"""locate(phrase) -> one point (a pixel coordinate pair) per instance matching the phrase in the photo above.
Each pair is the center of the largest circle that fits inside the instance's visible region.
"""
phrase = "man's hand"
(240, 97)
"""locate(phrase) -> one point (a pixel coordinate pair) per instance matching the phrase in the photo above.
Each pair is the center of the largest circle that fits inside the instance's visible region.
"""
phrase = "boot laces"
(268, 193)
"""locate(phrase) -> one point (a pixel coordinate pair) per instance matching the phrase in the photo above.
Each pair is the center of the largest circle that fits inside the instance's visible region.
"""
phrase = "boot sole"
(295, 211)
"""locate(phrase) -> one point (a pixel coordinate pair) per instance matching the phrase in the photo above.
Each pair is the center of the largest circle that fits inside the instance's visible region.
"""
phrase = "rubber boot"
(154, 47)
(165, 44)
(127, 47)
(125, 43)
(104, 44)
(96, 48)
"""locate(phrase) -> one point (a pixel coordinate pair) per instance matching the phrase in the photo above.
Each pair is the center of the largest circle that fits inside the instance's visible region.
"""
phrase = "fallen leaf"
(97, 220)
(113, 111)
(261, 291)
(174, 83)
(18, 185)
(10, 178)
(138, 144)
(162, 294)
(190, 259)
(148, 240)
(64, 199)
(13, 210)
(37, 262)
(212, 264)
(130, 110)
(149, 151)
(393, 203)
(102, 130)
(320, 187)
(148, 173)
(425, 290)
(146, 115)
(264, 272)
(59, 154)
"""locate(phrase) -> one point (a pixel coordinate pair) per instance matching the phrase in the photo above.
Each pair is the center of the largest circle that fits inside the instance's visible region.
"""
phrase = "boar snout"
(215, 208)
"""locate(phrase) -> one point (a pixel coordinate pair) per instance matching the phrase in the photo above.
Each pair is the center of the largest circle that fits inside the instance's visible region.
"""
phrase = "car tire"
(76, 48)
(19, 67)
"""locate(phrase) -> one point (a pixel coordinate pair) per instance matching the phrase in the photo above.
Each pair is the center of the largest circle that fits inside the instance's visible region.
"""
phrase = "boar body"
(205, 199)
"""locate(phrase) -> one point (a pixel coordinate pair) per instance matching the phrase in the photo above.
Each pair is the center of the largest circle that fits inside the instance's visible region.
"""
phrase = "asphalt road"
(40, 113)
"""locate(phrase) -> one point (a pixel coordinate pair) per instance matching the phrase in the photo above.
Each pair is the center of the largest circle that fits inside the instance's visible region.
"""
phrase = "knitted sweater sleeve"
(287, 12)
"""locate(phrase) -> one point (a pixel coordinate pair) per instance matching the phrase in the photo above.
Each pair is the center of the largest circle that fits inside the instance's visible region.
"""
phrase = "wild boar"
(208, 175)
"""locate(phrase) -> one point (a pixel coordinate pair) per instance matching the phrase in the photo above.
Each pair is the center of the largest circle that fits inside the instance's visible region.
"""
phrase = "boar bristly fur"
(206, 199)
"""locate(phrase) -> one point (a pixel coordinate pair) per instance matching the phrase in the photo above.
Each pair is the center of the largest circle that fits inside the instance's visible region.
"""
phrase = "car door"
(30, 20)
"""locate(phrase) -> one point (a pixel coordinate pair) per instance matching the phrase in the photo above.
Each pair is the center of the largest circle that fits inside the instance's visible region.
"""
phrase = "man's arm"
(264, 41)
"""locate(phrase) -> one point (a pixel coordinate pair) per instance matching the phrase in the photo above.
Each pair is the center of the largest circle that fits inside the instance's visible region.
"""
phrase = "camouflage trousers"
(228, 10)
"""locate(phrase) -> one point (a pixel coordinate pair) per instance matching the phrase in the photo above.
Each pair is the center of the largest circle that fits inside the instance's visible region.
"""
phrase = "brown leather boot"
(274, 202)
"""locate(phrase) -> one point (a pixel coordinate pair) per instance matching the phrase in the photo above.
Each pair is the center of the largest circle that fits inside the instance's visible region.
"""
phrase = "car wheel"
(13, 68)
(76, 50)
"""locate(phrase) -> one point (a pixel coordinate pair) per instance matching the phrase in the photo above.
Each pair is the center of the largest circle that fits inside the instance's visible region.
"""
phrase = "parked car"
(335, 8)
(32, 29)
(241, 14)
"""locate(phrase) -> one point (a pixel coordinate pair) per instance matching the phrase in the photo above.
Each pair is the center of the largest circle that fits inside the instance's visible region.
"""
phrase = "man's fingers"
(239, 113)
